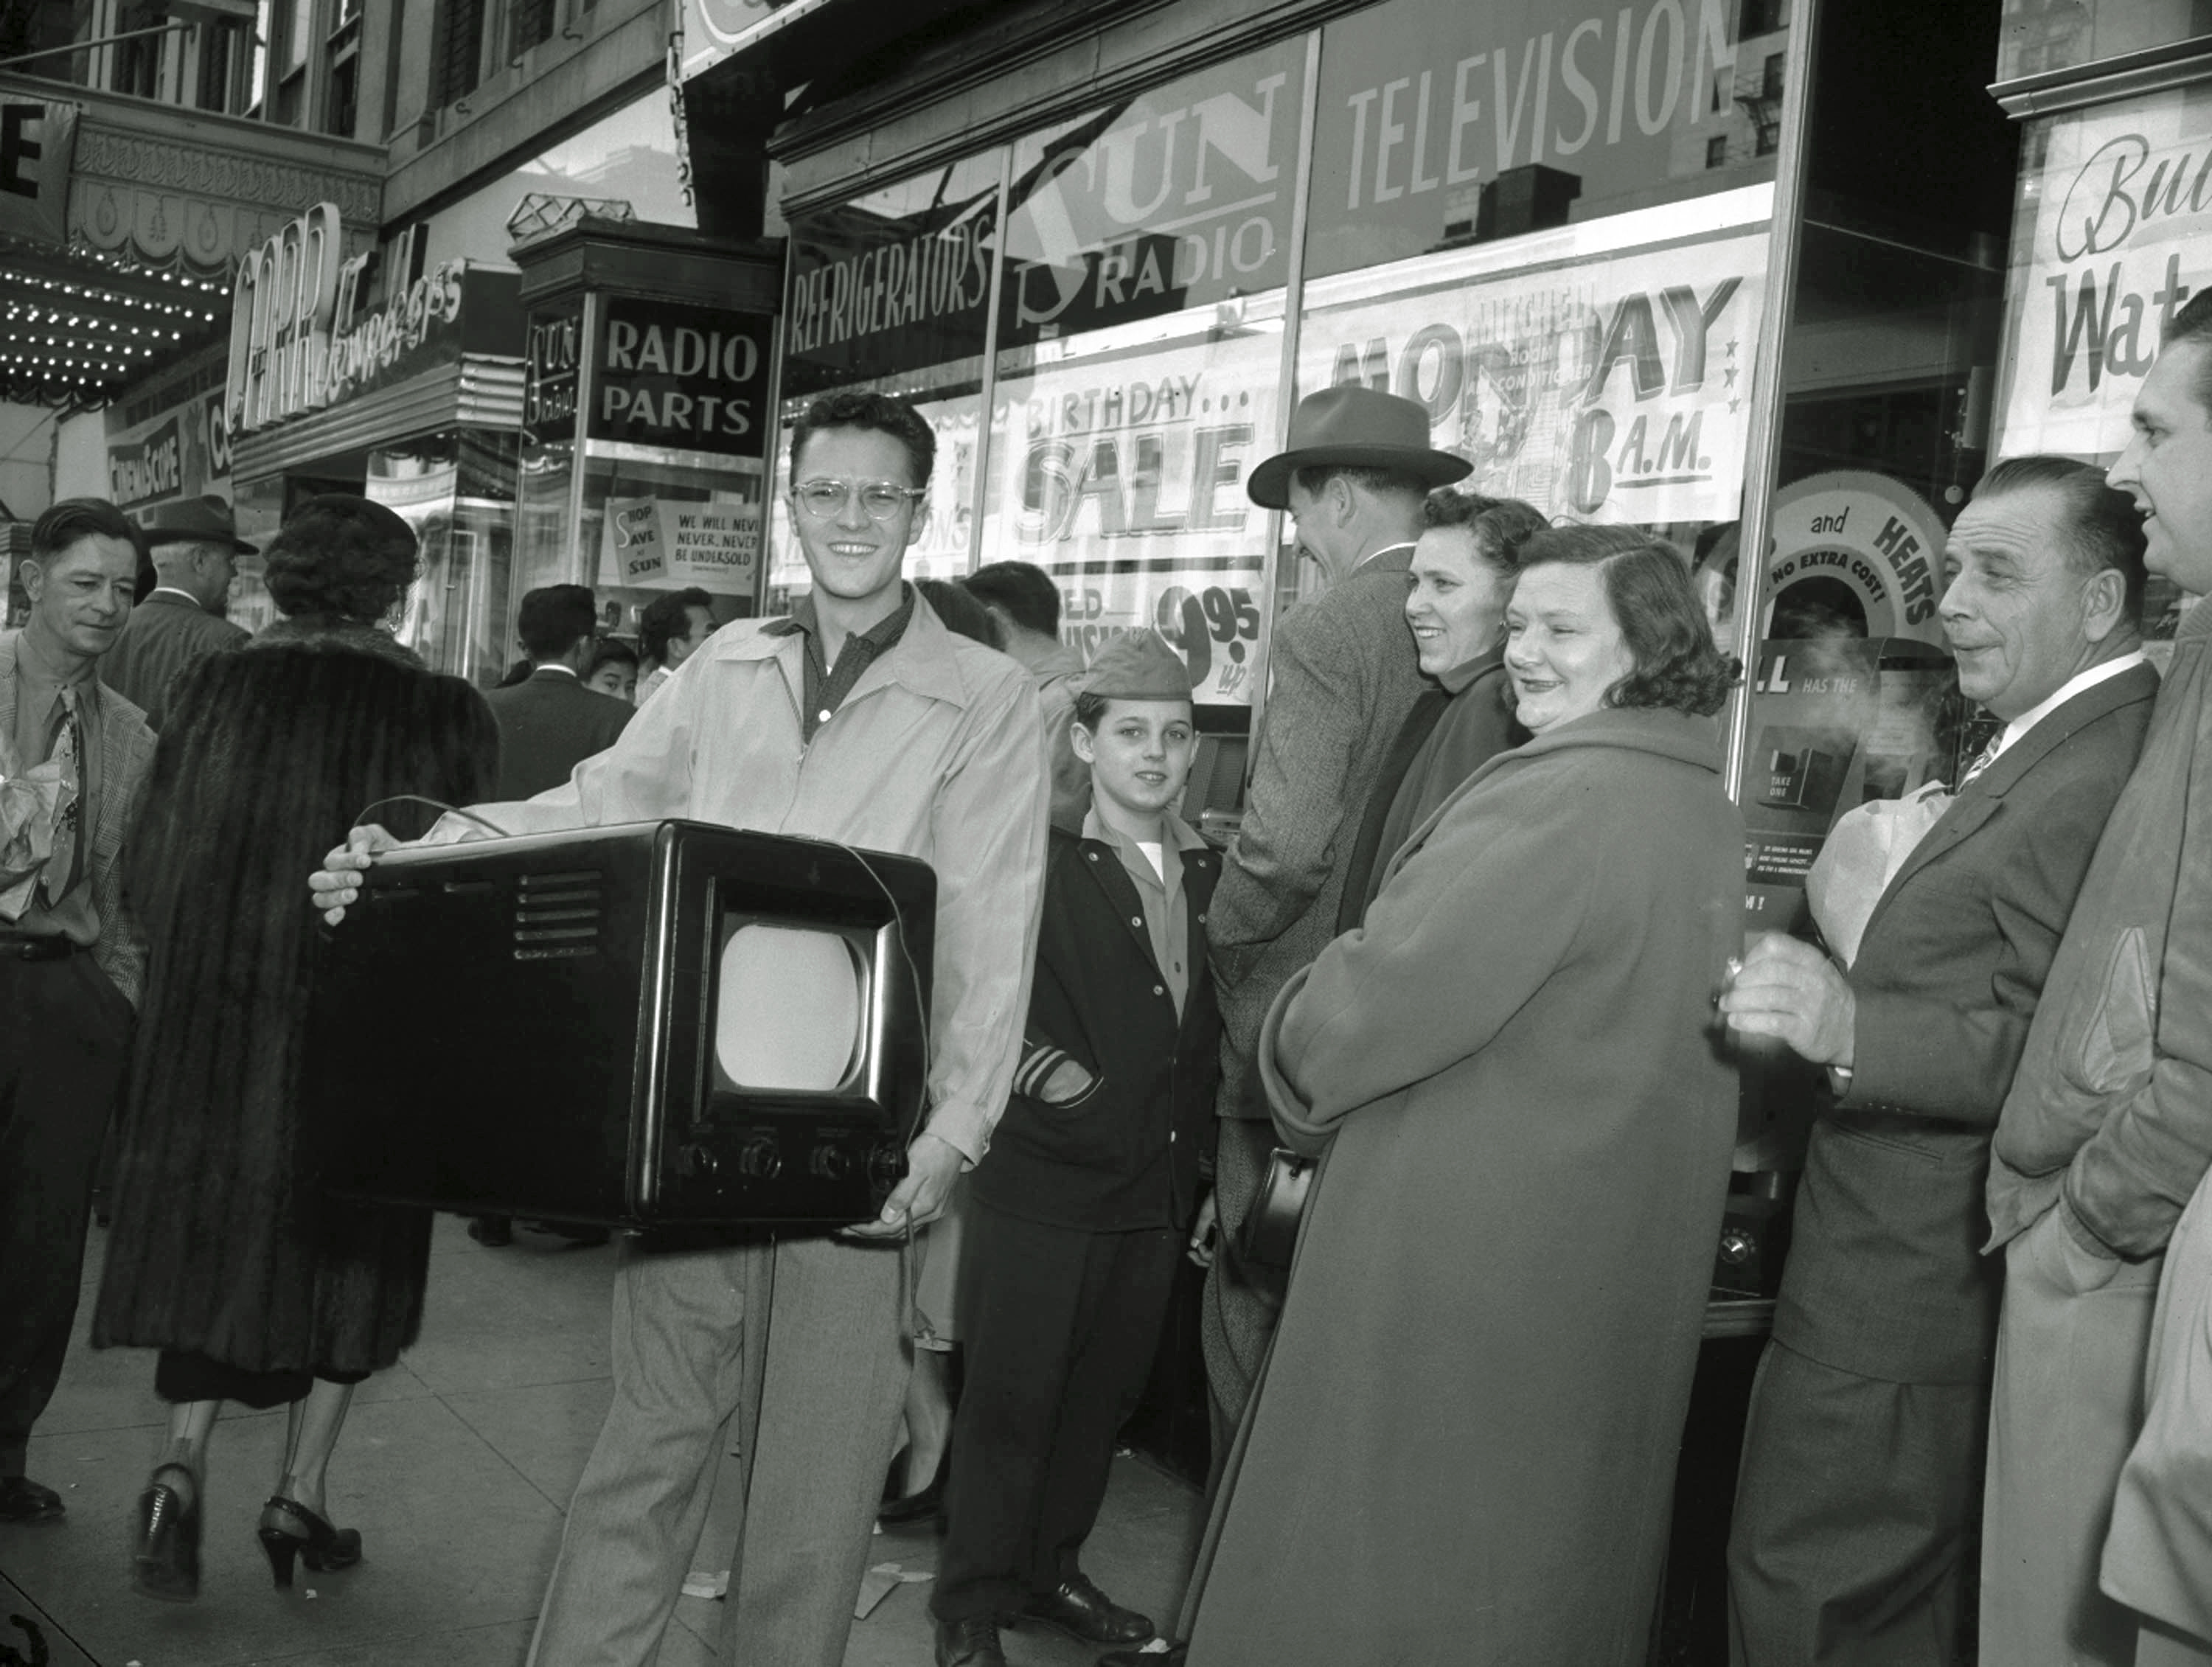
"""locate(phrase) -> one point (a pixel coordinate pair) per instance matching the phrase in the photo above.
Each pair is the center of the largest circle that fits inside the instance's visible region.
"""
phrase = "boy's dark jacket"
(1129, 1154)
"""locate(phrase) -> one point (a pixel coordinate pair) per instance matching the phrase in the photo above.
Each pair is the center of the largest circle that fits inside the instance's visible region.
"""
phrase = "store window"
(457, 490)
(1552, 232)
(1139, 350)
(890, 292)
(2109, 240)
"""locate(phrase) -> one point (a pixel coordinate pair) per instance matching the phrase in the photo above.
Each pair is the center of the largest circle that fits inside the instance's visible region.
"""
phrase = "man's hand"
(1789, 990)
(338, 882)
(1205, 1233)
(932, 1165)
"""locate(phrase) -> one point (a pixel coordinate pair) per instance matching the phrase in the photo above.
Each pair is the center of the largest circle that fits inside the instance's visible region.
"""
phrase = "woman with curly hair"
(1509, 1071)
(225, 1254)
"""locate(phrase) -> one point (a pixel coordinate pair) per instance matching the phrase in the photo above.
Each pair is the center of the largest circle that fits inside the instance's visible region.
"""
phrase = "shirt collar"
(2074, 685)
(554, 666)
(805, 620)
(182, 596)
(925, 658)
(1180, 834)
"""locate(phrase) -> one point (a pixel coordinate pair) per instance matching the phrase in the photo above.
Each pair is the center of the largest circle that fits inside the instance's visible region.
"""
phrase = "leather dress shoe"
(971, 1641)
(1174, 1656)
(1087, 1615)
(23, 1500)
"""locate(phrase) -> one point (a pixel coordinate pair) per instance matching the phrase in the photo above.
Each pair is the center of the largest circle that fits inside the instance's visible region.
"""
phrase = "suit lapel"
(1982, 797)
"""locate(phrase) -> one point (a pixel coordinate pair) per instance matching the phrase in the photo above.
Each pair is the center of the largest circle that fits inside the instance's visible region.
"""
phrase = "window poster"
(2109, 240)
(1118, 463)
(1602, 373)
(1176, 199)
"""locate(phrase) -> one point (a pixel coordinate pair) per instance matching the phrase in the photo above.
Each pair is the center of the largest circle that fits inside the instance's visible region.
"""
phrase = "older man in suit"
(1857, 1504)
(194, 547)
(73, 754)
(1343, 676)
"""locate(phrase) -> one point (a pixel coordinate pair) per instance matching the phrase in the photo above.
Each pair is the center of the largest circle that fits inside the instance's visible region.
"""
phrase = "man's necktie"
(1983, 760)
(68, 830)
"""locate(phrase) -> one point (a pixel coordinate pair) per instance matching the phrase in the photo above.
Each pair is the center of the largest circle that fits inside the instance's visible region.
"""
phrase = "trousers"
(64, 1038)
(2067, 1404)
(1061, 1327)
(798, 1349)
(1854, 1514)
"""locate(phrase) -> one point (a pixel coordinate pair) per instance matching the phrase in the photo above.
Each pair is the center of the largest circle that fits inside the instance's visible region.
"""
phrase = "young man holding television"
(1074, 1225)
(858, 718)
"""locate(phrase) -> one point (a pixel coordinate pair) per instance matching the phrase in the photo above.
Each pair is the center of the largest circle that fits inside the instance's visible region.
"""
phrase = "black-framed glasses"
(882, 499)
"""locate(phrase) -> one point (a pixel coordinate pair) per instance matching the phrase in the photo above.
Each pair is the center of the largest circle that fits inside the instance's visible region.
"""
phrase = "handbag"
(1268, 1236)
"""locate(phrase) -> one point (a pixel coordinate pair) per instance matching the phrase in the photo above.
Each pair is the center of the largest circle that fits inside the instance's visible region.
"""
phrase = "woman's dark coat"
(1463, 1448)
(223, 1243)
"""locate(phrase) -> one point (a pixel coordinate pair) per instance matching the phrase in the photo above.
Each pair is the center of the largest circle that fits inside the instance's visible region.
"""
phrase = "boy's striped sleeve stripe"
(1034, 1069)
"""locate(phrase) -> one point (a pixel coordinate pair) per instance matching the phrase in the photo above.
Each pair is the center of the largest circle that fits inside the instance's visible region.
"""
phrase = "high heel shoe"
(921, 1506)
(166, 1561)
(290, 1530)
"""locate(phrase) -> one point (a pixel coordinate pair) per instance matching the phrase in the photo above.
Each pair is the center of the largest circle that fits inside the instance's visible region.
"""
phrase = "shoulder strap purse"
(1269, 1234)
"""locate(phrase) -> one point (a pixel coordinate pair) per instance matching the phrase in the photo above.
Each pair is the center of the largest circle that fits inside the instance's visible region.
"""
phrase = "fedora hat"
(192, 521)
(1356, 428)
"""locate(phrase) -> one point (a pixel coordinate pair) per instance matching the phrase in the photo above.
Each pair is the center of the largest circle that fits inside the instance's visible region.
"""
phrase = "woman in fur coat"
(224, 1255)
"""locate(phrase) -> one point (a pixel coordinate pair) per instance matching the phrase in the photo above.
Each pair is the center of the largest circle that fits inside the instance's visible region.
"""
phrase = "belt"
(37, 946)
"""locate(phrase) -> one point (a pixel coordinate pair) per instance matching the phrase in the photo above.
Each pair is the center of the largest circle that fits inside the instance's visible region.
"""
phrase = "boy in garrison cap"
(1077, 1216)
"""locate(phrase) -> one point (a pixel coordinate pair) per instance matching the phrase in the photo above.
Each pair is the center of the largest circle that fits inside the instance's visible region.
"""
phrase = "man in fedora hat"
(195, 546)
(1343, 676)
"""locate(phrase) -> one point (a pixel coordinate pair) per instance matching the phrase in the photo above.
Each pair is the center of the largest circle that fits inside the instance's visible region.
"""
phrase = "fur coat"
(222, 1243)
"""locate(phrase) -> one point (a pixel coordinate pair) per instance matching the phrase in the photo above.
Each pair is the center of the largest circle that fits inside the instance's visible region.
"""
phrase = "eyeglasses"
(882, 499)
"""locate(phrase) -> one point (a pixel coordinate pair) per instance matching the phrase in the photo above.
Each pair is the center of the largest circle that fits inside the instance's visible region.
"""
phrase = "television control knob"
(694, 1162)
(830, 1162)
(886, 1166)
(759, 1159)
(1736, 1246)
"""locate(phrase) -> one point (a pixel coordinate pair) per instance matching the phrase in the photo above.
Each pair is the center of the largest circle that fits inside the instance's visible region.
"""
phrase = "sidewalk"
(457, 1467)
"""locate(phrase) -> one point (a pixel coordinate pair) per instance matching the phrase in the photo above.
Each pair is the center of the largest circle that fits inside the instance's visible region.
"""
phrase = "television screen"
(789, 1008)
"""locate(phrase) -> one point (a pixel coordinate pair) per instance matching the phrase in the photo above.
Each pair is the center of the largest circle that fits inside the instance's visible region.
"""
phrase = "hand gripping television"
(662, 1024)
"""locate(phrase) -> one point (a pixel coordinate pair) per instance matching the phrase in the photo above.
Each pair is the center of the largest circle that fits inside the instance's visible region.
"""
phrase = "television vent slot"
(557, 917)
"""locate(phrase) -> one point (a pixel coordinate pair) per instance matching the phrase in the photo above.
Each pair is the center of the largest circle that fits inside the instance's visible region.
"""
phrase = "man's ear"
(2104, 606)
(1343, 499)
(1083, 742)
(33, 575)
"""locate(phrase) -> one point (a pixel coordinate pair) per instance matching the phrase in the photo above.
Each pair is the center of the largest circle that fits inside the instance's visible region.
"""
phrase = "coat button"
(1201, 920)
(1136, 920)
(1159, 989)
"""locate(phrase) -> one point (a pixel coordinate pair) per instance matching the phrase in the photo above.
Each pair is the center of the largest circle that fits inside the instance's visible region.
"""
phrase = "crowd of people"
(1471, 978)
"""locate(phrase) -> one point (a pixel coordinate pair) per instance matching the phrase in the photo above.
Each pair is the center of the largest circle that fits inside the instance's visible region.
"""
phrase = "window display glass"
(1139, 356)
(455, 489)
(889, 292)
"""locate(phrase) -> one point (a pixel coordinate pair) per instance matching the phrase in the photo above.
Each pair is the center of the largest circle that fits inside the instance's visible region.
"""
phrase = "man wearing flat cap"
(194, 547)
(1077, 1221)
(1343, 677)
